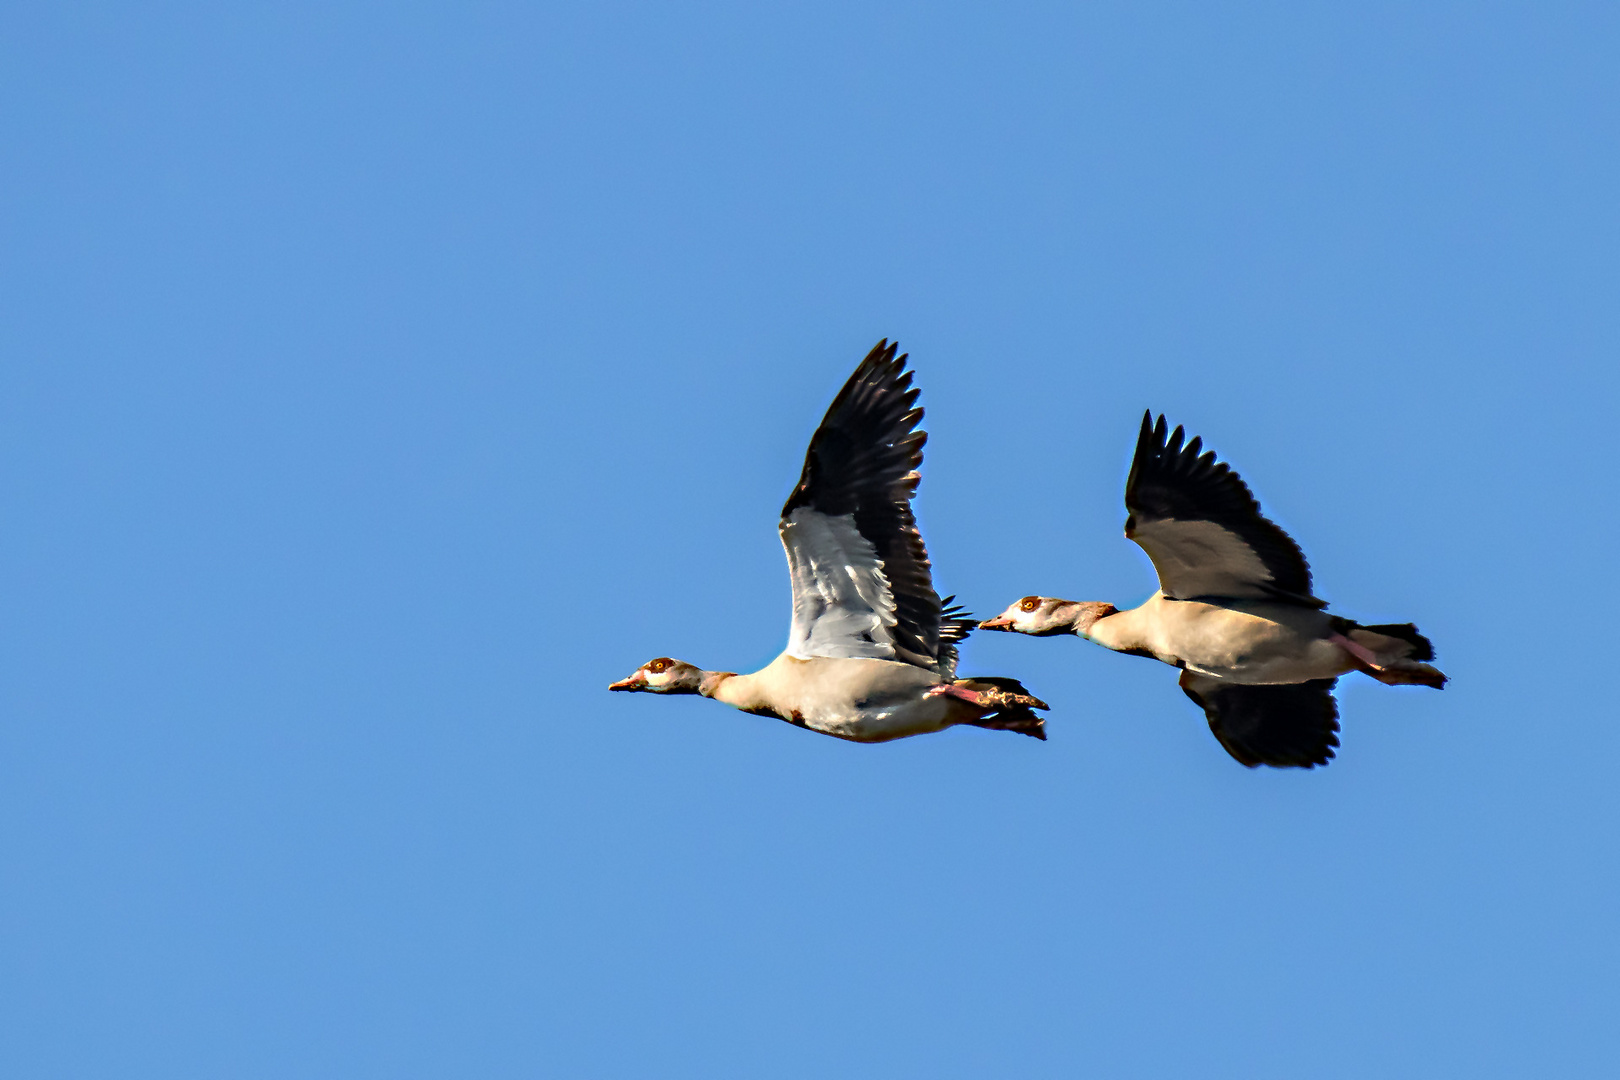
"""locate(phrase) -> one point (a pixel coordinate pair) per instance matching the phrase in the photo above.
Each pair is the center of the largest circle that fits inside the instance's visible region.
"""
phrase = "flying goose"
(1234, 611)
(871, 654)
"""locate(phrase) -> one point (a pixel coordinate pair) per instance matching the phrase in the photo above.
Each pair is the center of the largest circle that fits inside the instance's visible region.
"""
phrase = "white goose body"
(861, 700)
(871, 650)
(1252, 642)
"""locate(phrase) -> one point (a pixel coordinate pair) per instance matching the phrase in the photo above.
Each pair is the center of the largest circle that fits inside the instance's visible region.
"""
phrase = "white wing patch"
(842, 603)
(1200, 558)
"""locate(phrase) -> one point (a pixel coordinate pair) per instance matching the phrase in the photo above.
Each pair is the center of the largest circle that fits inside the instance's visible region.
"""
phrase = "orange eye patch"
(1029, 603)
(660, 665)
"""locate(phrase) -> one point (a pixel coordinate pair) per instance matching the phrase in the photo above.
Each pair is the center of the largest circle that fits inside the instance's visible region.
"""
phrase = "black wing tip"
(1160, 428)
(1170, 456)
(1151, 433)
(876, 408)
(1159, 449)
(883, 371)
(1159, 437)
(886, 356)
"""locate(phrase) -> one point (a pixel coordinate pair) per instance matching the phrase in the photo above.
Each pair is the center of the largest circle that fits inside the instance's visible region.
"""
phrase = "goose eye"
(659, 666)
(1028, 603)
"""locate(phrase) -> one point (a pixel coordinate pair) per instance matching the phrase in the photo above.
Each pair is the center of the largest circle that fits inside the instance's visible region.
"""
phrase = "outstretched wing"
(1290, 725)
(1197, 521)
(861, 582)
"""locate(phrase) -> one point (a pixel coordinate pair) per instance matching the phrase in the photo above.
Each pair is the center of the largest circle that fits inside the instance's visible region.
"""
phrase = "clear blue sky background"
(382, 380)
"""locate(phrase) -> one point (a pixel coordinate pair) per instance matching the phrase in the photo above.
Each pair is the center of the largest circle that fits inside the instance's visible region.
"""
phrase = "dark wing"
(955, 624)
(1202, 528)
(861, 582)
(1291, 725)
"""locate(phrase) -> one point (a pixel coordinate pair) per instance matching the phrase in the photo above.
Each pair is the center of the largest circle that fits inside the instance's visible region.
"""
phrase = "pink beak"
(1000, 622)
(634, 682)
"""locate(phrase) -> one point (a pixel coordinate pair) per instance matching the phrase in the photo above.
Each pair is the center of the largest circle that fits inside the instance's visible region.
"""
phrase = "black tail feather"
(1422, 648)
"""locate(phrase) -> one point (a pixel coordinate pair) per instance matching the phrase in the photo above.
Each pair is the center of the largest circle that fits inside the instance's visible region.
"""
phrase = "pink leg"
(1400, 673)
(1360, 652)
(951, 690)
(990, 699)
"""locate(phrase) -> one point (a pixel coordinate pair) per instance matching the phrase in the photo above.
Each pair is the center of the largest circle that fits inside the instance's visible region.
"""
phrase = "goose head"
(1042, 616)
(663, 676)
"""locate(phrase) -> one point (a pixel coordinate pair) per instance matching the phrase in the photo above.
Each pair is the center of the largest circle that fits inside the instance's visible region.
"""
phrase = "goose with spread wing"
(871, 654)
(1234, 611)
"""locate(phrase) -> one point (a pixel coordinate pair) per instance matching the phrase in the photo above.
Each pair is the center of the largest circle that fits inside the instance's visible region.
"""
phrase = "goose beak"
(634, 682)
(1000, 622)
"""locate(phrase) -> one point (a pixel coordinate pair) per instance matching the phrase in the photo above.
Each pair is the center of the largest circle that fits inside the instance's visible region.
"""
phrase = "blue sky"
(380, 381)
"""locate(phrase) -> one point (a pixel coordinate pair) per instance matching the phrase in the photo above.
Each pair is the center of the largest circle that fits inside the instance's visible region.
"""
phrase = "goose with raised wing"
(1234, 610)
(871, 654)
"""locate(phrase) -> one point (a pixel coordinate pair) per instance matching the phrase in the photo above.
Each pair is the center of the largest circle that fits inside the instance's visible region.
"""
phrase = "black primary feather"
(1294, 725)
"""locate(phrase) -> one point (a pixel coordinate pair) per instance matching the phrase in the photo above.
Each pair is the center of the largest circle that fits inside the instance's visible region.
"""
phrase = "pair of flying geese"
(871, 655)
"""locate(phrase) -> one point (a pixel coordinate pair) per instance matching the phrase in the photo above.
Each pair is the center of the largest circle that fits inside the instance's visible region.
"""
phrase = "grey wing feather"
(842, 604)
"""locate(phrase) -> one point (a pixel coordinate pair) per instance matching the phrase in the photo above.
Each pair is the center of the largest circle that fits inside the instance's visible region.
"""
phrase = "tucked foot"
(1395, 673)
(998, 704)
(1021, 721)
(989, 698)
(1002, 700)
(1410, 673)
(1363, 654)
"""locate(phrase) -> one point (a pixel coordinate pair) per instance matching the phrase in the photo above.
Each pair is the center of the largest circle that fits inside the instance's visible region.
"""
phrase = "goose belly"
(1263, 644)
(881, 723)
(860, 699)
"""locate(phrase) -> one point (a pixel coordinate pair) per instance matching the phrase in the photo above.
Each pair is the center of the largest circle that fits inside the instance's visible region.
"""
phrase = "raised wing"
(1202, 528)
(1292, 725)
(861, 582)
